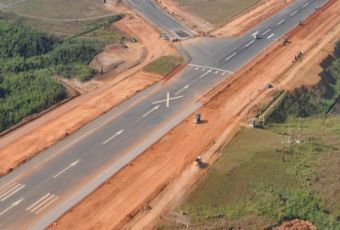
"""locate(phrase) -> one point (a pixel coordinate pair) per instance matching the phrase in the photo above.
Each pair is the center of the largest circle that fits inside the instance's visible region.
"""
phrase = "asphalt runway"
(41, 190)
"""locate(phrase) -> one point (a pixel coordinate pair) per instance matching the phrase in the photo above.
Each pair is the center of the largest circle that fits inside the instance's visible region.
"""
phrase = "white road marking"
(249, 43)
(202, 69)
(205, 74)
(151, 110)
(167, 100)
(305, 5)
(231, 56)
(42, 203)
(266, 32)
(46, 205)
(270, 36)
(67, 168)
(38, 201)
(212, 68)
(181, 90)
(12, 191)
(293, 13)
(6, 188)
(114, 136)
(280, 22)
(216, 72)
(14, 204)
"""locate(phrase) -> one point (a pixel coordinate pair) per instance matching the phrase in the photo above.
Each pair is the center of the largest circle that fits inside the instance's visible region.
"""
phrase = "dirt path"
(129, 199)
(251, 18)
(23, 143)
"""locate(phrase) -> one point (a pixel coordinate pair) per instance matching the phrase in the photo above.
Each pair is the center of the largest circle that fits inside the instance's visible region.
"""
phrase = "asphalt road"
(162, 20)
(38, 192)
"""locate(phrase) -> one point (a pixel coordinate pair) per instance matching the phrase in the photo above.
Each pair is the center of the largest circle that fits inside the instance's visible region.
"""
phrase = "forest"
(28, 61)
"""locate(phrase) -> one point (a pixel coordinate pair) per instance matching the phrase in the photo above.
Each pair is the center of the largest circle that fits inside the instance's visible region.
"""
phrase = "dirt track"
(124, 201)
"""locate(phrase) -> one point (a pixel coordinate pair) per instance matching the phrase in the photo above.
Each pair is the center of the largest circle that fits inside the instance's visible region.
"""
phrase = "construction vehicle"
(298, 57)
(199, 161)
(285, 41)
(197, 118)
(164, 36)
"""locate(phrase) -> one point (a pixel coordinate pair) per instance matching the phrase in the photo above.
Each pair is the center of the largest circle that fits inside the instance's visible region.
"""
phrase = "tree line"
(28, 60)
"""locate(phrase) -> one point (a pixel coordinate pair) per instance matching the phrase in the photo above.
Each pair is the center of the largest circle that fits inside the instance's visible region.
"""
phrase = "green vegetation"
(28, 60)
(261, 180)
(216, 12)
(163, 65)
(311, 101)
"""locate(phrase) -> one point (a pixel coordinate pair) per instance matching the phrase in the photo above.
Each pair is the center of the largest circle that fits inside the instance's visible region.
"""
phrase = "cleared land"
(127, 198)
(216, 12)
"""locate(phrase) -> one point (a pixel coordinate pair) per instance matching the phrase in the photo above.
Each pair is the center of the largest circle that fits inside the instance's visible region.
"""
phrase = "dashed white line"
(255, 33)
(230, 56)
(181, 90)
(293, 13)
(249, 43)
(305, 5)
(270, 36)
(205, 74)
(280, 22)
(266, 32)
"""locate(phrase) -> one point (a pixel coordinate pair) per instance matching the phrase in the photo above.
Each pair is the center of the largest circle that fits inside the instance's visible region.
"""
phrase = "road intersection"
(42, 189)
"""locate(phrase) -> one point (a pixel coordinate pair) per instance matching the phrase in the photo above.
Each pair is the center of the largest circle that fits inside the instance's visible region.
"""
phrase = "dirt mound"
(295, 225)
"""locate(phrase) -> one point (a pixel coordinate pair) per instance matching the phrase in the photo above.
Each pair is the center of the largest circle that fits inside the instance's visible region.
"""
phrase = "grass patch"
(59, 9)
(251, 186)
(163, 65)
(218, 11)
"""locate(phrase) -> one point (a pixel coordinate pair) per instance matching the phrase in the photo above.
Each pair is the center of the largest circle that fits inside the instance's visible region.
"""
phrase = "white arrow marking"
(114, 136)
(151, 110)
(16, 203)
(67, 168)
(184, 88)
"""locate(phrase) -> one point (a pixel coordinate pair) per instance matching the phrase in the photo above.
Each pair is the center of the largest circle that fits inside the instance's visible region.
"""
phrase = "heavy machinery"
(197, 118)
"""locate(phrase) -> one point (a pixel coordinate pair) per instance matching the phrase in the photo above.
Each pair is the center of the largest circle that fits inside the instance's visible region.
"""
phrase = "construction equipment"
(197, 118)
(199, 161)
(298, 57)
(285, 41)
(133, 40)
(164, 37)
